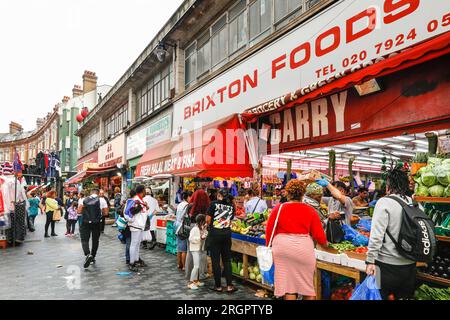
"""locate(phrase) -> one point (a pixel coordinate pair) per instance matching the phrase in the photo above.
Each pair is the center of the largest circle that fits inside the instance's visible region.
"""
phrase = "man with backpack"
(92, 208)
(182, 235)
(401, 235)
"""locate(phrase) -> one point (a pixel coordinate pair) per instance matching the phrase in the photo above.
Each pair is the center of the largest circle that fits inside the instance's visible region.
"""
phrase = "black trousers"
(102, 224)
(70, 226)
(49, 222)
(397, 280)
(220, 247)
(153, 233)
(86, 231)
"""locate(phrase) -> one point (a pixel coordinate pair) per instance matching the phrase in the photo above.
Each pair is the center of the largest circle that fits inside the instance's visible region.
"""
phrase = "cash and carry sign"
(348, 35)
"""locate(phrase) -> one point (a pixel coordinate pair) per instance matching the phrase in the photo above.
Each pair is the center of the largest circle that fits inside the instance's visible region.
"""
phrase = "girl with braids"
(395, 274)
(293, 235)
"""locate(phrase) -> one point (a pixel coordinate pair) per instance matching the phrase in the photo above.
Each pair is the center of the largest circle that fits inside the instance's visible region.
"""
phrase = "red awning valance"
(76, 178)
(423, 52)
(216, 150)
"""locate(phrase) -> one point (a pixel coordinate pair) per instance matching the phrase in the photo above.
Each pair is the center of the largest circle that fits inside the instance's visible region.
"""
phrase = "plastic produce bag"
(266, 265)
(360, 241)
(350, 233)
(364, 225)
(367, 290)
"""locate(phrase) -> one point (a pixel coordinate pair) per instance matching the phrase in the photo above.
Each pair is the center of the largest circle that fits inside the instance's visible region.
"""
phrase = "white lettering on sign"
(317, 121)
(364, 32)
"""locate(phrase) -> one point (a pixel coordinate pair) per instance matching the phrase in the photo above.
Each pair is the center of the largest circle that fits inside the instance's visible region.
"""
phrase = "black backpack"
(91, 210)
(416, 240)
(334, 231)
(184, 230)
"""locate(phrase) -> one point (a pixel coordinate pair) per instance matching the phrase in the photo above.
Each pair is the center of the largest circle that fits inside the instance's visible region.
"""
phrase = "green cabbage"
(423, 170)
(428, 179)
(443, 174)
(433, 162)
(421, 191)
(436, 191)
(446, 162)
(447, 192)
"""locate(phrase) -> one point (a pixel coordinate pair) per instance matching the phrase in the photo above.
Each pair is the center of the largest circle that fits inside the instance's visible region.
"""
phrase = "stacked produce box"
(171, 239)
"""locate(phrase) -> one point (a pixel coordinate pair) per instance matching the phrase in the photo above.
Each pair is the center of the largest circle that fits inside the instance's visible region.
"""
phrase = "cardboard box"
(355, 255)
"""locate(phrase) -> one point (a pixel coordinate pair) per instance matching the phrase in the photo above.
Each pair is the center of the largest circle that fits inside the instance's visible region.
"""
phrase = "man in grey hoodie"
(395, 274)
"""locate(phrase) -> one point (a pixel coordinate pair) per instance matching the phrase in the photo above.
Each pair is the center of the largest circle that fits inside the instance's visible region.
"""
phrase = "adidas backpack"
(416, 240)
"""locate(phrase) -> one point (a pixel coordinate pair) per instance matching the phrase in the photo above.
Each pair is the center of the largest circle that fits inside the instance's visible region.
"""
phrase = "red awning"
(100, 170)
(217, 150)
(423, 52)
(76, 178)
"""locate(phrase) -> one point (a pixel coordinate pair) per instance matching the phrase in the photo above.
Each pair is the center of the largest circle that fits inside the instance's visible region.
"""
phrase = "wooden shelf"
(256, 283)
(427, 277)
(443, 238)
(432, 199)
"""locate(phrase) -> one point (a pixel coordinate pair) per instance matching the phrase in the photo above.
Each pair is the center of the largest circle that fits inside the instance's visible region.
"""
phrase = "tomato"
(348, 296)
(391, 297)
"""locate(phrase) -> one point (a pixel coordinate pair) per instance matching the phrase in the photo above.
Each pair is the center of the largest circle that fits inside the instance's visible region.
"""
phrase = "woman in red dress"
(294, 235)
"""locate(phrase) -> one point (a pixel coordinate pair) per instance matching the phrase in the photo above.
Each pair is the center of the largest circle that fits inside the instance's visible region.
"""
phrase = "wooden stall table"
(351, 273)
(247, 249)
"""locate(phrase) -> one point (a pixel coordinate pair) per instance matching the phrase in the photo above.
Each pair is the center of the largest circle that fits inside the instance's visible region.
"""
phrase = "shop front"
(377, 117)
(145, 138)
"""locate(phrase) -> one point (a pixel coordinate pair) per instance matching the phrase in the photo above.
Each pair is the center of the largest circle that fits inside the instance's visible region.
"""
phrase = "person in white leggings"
(197, 247)
(137, 225)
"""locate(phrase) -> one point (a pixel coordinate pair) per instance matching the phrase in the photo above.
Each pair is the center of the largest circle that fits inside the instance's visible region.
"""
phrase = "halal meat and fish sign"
(347, 36)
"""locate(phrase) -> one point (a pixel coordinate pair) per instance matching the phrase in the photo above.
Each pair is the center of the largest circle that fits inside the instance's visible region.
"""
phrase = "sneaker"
(46, 236)
(66, 234)
(141, 263)
(193, 286)
(54, 235)
(199, 284)
(88, 261)
(133, 267)
(93, 261)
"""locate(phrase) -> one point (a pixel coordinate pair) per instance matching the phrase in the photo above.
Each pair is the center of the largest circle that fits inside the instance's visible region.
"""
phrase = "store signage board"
(346, 36)
(420, 95)
(148, 136)
(112, 153)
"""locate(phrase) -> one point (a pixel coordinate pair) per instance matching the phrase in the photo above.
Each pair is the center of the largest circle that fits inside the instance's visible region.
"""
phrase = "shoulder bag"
(265, 256)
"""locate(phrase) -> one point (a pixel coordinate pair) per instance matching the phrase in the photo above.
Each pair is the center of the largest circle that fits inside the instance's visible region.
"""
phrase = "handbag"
(334, 231)
(57, 215)
(265, 256)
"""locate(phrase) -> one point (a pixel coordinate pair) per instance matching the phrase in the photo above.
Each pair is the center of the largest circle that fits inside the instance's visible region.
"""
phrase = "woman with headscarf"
(313, 197)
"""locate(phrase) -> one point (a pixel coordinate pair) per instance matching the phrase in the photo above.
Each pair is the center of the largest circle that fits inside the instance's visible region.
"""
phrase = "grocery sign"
(346, 36)
(420, 95)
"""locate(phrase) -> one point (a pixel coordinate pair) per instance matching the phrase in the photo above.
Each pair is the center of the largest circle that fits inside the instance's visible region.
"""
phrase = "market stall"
(351, 129)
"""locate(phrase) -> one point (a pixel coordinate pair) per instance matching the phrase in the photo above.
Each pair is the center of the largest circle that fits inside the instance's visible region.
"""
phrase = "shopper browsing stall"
(339, 206)
(220, 214)
(197, 239)
(33, 209)
(396, 273)
(182, 243)
(293, 247)
(255, 204)
(51, 206)
(137, 219)
(313, 197)
(72, 217)
(153, 209)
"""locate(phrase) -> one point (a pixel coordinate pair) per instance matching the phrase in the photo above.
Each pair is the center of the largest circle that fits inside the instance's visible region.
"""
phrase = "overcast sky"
(47, 44)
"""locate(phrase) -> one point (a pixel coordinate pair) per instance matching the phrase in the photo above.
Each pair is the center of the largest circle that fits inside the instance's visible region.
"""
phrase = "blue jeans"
(127, 248)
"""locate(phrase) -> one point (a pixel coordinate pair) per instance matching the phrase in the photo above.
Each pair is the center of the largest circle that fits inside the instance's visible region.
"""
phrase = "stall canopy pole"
(350, 170)
(289, 170)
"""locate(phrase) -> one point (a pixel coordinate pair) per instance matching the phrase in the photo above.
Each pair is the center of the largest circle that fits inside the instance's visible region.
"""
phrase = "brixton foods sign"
(345, 36)
(112, 153)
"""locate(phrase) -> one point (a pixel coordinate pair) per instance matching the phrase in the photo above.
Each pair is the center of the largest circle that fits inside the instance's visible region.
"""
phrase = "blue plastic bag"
(367, 290)
(350, 233)
(364, 225)
(360, 241)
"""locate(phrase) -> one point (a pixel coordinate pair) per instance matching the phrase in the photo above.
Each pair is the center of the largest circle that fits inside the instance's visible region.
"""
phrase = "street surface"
(53, 269)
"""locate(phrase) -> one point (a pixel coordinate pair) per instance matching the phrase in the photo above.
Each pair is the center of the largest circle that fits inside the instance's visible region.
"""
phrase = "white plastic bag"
(147, 236)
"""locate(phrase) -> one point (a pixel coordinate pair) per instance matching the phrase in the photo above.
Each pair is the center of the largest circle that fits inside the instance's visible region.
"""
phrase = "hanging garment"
(2, 202)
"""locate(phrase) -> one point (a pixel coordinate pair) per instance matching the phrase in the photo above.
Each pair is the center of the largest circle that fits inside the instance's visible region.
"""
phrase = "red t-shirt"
(296, 218)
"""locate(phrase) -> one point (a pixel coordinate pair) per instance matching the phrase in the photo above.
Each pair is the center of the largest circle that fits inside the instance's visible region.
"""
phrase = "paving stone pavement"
(55, 271)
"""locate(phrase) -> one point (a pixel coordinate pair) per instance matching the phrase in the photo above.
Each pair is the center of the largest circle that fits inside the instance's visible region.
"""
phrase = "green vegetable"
(421, 157)
(442, 174)
(425, 292)
(428, 179)
(447, 192)
(433, 162)
(436, 191)
(343, 246)
(423, 170)
(422, 191)
(446, 162)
